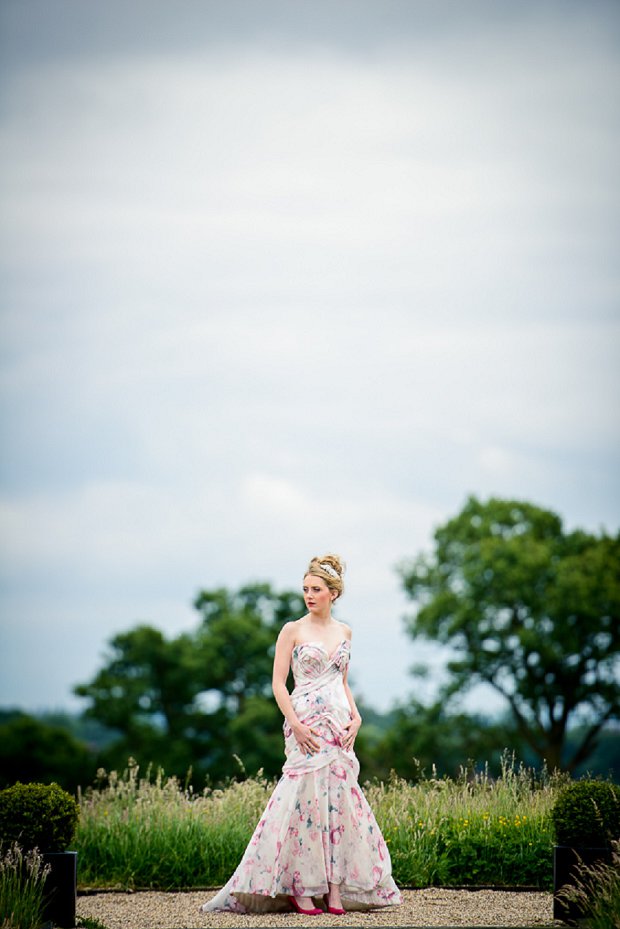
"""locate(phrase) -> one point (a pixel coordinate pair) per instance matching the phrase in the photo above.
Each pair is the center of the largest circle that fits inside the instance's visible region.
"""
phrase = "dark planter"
(565, 864)
(61, 889)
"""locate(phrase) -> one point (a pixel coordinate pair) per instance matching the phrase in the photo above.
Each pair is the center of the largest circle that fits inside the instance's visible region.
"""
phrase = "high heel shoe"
(334, 910)
(315, 911)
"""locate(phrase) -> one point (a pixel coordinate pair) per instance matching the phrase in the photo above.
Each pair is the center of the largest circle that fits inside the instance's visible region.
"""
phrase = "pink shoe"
(313, 912)
(334, 910)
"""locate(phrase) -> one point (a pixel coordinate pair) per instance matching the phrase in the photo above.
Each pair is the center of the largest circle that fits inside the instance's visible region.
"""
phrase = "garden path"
(433, 907)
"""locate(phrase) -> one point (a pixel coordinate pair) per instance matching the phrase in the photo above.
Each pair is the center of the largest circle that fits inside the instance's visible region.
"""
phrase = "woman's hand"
(305, 737)
(351, 729)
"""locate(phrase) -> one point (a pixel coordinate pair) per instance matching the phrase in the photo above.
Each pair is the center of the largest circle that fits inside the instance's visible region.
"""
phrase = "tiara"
(328, 569)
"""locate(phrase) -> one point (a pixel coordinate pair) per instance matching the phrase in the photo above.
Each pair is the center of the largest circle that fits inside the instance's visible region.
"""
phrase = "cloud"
(295, 283)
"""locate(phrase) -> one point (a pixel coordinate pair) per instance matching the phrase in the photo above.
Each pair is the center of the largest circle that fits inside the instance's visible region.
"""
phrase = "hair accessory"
(328, 569)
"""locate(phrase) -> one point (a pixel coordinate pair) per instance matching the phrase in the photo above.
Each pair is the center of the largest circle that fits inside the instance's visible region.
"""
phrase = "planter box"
(61, 889)
(565, 864)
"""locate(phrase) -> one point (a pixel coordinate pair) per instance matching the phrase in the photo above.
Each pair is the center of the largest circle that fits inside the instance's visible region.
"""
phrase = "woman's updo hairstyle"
(331, 569)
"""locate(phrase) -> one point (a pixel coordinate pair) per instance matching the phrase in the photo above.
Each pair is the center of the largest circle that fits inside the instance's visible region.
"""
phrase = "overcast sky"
(282, 278)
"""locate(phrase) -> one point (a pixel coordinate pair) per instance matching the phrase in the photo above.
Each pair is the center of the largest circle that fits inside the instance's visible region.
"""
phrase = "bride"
(317, 841)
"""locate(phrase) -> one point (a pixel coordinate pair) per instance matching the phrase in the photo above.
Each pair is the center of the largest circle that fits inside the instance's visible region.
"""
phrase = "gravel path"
(427, 907)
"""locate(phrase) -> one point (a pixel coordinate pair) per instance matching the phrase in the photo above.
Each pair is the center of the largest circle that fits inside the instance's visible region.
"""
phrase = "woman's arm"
(281, 664)
(356, 719)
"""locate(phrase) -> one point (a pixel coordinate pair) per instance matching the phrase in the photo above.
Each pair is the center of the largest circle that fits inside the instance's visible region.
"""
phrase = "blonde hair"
(331, 569)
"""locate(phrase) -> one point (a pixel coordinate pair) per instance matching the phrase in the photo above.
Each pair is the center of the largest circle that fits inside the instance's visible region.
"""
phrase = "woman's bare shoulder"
(289, 630)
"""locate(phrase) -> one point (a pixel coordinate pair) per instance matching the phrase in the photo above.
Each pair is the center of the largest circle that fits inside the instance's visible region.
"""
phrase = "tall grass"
(596, 892)
(22, 879)
(469, 831)
(150, 831)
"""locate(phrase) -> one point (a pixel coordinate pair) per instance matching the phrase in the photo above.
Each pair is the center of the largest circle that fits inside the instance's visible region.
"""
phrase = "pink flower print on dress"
(335, 835)
(298, 888)
(382, 849)
(377, 874)
(258, 832)
(357, 800)
(341, 655)
(338, 771)
(330, 737)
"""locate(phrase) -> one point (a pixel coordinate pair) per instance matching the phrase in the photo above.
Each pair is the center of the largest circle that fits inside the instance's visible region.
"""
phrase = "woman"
(317, 840)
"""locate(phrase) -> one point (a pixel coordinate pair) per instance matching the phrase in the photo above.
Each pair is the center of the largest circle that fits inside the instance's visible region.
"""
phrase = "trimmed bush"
(42, 816)
(586, 814)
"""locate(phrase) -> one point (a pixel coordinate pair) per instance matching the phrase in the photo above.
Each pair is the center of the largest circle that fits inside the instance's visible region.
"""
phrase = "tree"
(424, 738)
(31, 750)
(197, 700)
(530, 610)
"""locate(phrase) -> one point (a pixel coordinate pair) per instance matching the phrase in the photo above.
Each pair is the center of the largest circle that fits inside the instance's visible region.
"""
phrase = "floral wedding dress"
(317, 827)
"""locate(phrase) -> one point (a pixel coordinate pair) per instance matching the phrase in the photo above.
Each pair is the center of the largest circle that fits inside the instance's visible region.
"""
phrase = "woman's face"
(317, 595)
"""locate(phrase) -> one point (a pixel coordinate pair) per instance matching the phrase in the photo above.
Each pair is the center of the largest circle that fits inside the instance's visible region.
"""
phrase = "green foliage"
(604, 762)
(153, 833)
(469, 830)
(202, 698)
(529, 610)
(42, 816)
(22, 880)
(31, 750)
(89, 922)
(587, 814)
(596, 893)
(418, 734)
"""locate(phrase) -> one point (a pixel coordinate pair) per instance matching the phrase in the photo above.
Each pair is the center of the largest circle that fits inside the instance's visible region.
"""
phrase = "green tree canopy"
(432, 738)
(31, 750)
(532, 611)
(198, 699)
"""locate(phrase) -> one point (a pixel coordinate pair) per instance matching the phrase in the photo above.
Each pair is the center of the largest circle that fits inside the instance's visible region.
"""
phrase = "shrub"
(22, 879)
(42, 816)
(586, 814)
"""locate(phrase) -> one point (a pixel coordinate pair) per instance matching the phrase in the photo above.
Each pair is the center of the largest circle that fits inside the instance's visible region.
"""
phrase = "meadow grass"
(152, 832)
(596, 892)
(22, 879)
(472, 830)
